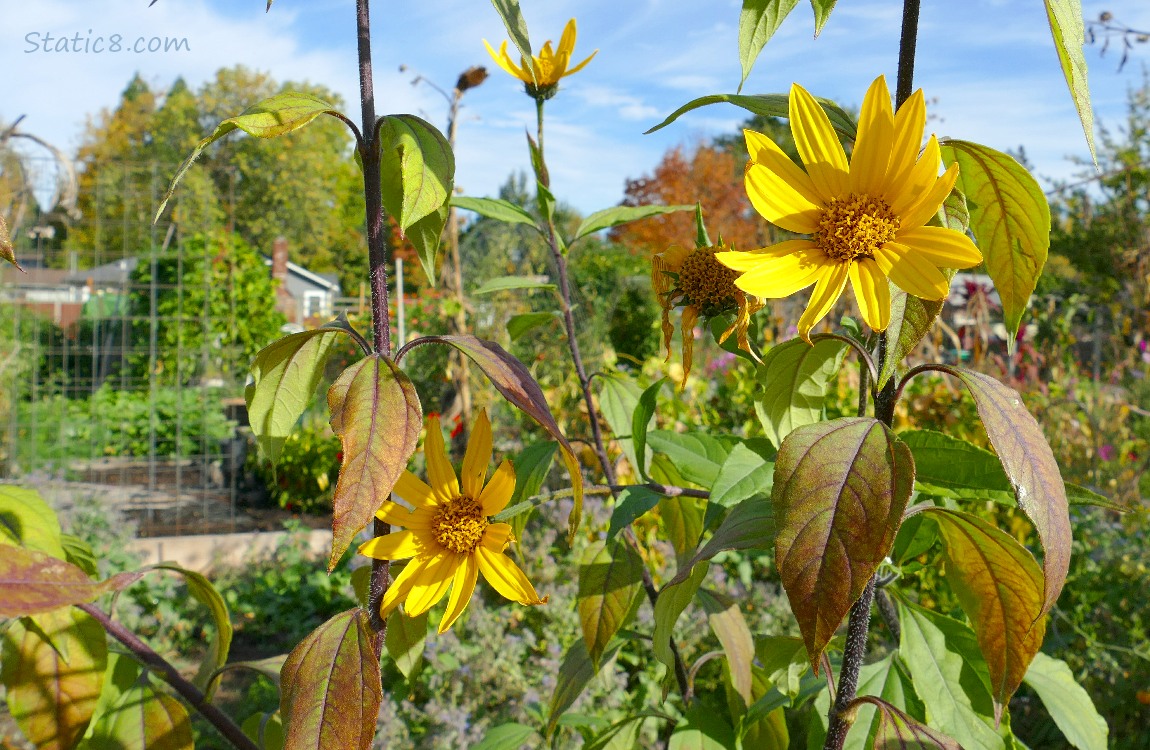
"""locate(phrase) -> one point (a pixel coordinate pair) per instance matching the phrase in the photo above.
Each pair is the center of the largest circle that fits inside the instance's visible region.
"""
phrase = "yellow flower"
(549, 66)
(448, 534)
(703, 287)
(866, 221)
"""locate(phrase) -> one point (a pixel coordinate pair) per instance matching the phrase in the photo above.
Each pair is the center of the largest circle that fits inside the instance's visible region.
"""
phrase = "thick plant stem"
(600, 446)
(884, 402)
(158, 664)
(377, 257)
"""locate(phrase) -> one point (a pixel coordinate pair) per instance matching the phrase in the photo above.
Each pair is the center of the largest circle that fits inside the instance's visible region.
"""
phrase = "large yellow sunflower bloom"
(549, 66)
(448, 535)
(866, 220)
(703, 287)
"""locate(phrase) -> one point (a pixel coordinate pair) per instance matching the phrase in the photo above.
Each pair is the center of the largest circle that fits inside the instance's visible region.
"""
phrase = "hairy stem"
(377, 257)
(884, 402)
(158, 664)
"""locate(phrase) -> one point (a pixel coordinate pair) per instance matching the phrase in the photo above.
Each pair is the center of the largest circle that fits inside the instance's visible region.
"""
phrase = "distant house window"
(315, 303)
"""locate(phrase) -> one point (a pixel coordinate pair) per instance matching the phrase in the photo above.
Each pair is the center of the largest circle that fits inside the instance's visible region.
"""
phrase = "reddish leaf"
(53, 683)
(897, 731)
(1031, 468)
(331, 687)
(32, 582)
(515, 383)
(376, 413)
(840, 491)
(999, 585)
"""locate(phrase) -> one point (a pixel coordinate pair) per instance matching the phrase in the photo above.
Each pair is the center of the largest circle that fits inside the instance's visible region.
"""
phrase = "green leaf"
(632, 503)
(730, 627)
(1067, 703)
(641, 422)
(951, 467)
(745, 474)
(217, 654)
(1010, 218)
(610, 578)
(285, 375)
(898, 731)
(673, 599)
(505, 283)
(1078, 495)
(784, 660)
(270, 118)
(682, 519)
(949, 675)
(767, 105)
(142, 719)
(887, 680)
(793, 381)
(702, 239)
(616, 215)
(518, 325)
(331, 687)
(575, 673)
(425, 235)
(53, 669)
(1065, 17)
(514, 383)
(404, 639)
(748, 525)
(910, 321)
(510, 736)
(840, 491)
(623, 734)
(618, 400)
(496, 208)
(822, 9)
(697, 455)
(77, 552)
(531, 468)
(1029, 463)
(512, 18)
(267, 729)
(377, 416)
(417, 168)
(758, 22)
(120, 676)
(29, 522)
(32, 582)
(999, 585)
(702, 728)
(916, 535)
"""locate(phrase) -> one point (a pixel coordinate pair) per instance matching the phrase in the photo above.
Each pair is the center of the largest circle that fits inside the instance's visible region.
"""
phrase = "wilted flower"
(549, 66)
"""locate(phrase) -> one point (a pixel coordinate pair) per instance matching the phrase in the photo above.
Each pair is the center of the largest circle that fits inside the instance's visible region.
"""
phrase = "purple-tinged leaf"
(898, 731)
(33, 582)
(331, 688)
(840, 491)
(376, 413)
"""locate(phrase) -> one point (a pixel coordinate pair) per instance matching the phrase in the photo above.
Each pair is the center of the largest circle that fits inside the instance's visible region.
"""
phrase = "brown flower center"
(706, 282)
(855, 226)
(459, 525)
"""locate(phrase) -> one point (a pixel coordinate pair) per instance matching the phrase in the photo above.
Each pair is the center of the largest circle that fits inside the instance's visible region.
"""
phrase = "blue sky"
(990, 70)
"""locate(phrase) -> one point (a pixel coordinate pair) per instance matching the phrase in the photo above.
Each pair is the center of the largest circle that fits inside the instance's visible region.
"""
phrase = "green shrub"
(304, 477)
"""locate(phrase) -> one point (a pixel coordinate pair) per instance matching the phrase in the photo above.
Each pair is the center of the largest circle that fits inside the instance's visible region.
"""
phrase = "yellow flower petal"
(462, 587)
(497, 536)
(830, 285)
(400, 586)
(431, 583)
(443, 480)
(582, 65)
(506, 577)
(913, 273)
(909, 122)
(910, 186)
(875, 138)
(737, 260)
(871, 292)
(503, 60)
(567, 40)
(397, 545)
(782, 193)
(397, 515)
(415, 491)
(783, 276)
(927, 205)
(477, 456)
(943, 247)
(499, 490)
(819, 147)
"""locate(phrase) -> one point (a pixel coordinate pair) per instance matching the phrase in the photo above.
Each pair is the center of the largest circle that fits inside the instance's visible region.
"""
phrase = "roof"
(116, 273)
(326, 281)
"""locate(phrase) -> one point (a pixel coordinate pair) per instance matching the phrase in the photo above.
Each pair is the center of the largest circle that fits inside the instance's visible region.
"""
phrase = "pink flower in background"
(1106, 453)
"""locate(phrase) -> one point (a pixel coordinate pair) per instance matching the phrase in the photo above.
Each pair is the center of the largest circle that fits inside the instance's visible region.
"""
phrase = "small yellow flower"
(866, 221)
(549, 66)
(448, 534)
(703, 287)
